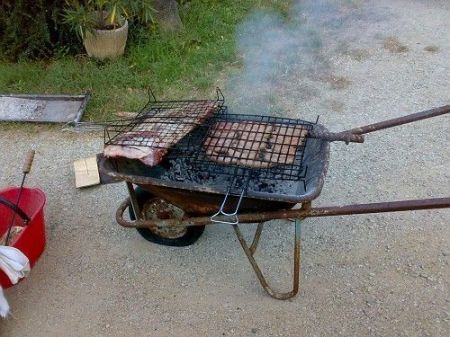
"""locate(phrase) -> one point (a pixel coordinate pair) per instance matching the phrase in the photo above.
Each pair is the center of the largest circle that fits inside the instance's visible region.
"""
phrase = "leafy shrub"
(33, 29)
(88, 15)
(36, 29)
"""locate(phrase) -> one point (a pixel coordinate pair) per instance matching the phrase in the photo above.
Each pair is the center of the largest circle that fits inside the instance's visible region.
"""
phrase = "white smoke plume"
(282, 54)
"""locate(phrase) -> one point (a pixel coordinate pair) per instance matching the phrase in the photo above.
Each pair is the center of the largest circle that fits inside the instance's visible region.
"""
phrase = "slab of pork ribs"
(148, 139)
(254, 144)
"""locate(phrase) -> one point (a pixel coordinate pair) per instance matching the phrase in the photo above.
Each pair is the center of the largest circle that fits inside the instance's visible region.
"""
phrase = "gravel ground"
(377, 275)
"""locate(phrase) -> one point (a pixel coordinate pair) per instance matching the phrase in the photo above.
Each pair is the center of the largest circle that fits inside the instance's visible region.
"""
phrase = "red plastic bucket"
(31, 241)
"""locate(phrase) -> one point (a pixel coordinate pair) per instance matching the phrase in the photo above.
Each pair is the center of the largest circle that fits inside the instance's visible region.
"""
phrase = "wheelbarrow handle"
(15, 208)
(400, 120)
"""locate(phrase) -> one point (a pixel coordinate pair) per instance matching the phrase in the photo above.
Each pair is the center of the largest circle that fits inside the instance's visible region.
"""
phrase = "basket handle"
(15, 208)
(400, 120)
(346, 137)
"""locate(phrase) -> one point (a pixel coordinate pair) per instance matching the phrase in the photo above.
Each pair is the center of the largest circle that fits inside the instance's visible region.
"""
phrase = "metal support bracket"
(250, 251)
(133, 201)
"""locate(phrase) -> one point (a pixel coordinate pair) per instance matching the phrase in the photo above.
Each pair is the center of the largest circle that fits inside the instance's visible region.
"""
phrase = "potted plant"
(103, 24)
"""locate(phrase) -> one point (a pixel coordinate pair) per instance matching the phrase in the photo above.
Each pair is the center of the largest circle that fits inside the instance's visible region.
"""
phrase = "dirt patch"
(307, 92)
(393, 45)
(335, 105)
(356, 54)
(432, 48)
(337, 82)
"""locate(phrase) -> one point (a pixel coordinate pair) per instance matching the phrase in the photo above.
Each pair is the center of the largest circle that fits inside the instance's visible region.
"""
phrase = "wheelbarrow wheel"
(153, 207)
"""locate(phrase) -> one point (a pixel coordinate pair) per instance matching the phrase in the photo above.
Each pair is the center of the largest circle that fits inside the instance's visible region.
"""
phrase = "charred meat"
(150, 136)
(254, 144)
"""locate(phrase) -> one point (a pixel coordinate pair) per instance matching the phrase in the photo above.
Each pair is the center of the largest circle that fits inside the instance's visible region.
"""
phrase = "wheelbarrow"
(173, 209)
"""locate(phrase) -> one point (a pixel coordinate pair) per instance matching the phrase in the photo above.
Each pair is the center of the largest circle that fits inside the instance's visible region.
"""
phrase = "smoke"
(292, 54)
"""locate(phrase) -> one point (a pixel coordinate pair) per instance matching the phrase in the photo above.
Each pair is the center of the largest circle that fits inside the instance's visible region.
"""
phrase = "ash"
(182, 169)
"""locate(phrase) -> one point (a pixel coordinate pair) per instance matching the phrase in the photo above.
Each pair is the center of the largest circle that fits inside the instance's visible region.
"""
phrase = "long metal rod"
(382, 207)
(297, 255)
(256, 238)
(304, 212)
(400, 120)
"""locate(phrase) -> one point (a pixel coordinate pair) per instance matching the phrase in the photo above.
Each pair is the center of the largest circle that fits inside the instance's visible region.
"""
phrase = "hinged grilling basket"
(241, 145)
(252, 151)
(234, 166)
(162, 124)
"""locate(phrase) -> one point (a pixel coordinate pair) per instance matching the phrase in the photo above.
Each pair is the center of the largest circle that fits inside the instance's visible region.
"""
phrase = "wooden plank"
(86, 172)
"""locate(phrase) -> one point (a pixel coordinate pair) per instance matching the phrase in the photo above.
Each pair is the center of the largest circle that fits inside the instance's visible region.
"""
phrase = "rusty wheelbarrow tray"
(198, 202)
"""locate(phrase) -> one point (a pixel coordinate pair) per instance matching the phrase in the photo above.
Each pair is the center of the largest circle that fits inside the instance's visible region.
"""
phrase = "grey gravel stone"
(98, 279)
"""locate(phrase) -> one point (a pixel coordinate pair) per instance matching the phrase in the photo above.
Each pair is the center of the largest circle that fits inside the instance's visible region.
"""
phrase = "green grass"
(188, 65)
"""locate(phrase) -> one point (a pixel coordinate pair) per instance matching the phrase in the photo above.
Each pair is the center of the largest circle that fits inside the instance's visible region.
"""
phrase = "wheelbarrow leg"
(250, 251)
(133, 200)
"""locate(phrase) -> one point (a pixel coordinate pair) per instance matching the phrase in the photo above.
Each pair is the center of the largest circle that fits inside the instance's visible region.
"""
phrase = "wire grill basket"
(162, 124)
(247, 145)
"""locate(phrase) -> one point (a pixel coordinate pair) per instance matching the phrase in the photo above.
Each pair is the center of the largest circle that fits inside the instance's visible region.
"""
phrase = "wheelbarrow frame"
(295, 215)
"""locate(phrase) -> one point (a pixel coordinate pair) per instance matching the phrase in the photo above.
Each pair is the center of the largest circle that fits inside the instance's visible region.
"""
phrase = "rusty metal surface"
(380, 207)
(199, 201)
(400, 120)
(156, 208)
(256, 237)
(205, 203)
(347, 137)
(304, 212)
(249, 252)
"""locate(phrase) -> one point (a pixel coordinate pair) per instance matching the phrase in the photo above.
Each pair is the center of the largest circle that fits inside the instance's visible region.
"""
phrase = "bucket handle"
(15, 208)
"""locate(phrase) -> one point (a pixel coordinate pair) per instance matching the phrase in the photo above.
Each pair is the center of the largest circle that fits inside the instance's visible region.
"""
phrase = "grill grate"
(161, 124)
(262, 147)
(245, 148)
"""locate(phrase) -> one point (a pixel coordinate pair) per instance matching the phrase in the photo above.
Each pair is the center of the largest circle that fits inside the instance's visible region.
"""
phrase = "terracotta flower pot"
(103, 44)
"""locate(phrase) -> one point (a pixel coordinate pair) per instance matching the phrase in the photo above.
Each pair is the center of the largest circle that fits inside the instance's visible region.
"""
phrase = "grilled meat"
(254, 144)
(149, 137)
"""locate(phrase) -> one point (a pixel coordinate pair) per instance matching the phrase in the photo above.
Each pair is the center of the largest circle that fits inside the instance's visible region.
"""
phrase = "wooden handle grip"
(28, 161)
